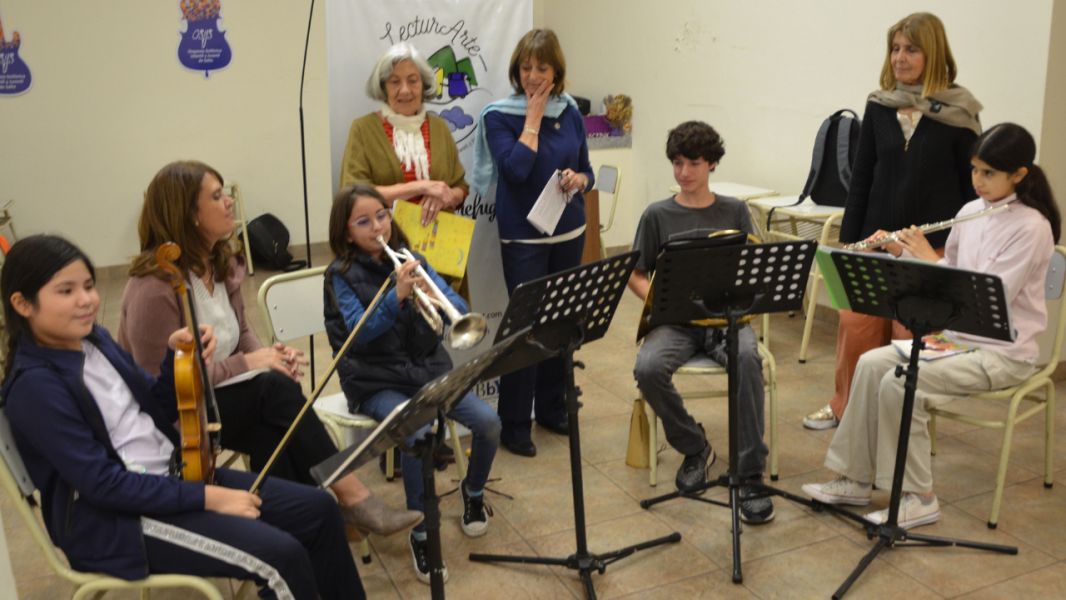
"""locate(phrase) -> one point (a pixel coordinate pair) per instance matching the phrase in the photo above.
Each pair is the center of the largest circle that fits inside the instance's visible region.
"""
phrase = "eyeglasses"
(363, 222)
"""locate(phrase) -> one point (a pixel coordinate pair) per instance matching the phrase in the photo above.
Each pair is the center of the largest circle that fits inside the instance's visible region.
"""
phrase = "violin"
(200, 437)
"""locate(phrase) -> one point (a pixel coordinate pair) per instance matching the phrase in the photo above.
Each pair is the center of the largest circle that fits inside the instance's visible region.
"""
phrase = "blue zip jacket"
(91, 504)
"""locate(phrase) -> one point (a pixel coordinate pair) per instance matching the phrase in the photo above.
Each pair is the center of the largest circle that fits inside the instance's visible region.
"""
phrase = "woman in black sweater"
(912, 167)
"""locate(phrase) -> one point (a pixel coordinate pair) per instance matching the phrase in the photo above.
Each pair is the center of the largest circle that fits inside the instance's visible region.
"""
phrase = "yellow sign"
(445, 242)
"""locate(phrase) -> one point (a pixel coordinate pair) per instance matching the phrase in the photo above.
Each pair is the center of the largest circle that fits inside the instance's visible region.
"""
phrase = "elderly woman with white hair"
(404, 152)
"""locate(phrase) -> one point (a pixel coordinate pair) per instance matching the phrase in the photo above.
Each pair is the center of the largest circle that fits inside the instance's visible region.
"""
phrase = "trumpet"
(927, 228)
(466, 331)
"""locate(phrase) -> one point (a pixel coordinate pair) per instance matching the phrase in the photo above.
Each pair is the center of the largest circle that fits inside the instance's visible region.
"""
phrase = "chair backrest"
(1053, 288)
(293, 304)
(19, 487)
(609, 180)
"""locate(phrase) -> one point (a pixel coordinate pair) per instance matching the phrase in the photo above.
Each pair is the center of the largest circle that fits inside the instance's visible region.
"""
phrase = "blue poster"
(203, 45)
(14, 73)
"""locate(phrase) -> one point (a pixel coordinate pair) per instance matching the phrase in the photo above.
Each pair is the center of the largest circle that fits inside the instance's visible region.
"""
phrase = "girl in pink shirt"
(1016, 244)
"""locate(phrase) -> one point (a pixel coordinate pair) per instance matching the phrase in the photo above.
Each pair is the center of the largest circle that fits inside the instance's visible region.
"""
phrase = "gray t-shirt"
(666, 220)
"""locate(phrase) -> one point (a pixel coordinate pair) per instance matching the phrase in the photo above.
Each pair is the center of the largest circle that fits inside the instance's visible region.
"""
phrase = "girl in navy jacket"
(96, 435)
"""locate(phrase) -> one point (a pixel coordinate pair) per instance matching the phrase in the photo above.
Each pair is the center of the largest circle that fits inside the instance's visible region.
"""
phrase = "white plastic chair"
(1027, 391)
(19, 487)
(608, 181)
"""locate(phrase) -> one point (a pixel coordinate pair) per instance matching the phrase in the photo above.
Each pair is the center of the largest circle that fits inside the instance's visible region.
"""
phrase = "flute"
(927, 228)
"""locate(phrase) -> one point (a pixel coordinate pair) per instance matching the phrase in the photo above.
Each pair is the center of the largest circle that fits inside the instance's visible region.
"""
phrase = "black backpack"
(268, 240)
(834, 152)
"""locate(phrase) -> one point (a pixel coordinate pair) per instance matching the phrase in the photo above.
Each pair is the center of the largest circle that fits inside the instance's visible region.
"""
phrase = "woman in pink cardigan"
(185, 204)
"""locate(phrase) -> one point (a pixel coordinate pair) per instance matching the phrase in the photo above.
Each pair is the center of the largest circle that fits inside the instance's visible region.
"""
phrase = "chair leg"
(771, 370)
(1049, 432)
(390, 465)
(1004, 456)
(364, 550)
(812, 304)
(457, 447)
(653, 445)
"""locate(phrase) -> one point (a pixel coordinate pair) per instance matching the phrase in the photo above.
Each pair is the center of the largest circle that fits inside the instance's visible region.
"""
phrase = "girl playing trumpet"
(397, 352)
(1015, 244)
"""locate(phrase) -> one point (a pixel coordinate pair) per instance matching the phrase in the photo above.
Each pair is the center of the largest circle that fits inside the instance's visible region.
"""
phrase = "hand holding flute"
(912, 239)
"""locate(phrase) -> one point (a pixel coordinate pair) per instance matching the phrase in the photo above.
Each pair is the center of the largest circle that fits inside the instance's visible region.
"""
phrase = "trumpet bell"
(467, 331)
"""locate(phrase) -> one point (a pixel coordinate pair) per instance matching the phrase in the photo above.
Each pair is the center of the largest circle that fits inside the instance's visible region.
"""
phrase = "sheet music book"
(445, 242)
(245, 376)
(937, 346)
(548, 208)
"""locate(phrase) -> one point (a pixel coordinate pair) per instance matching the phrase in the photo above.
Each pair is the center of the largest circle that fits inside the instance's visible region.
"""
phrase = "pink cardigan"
(150, 313)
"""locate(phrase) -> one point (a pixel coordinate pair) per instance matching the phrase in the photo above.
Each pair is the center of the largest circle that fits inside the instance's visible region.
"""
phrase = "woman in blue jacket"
(529, 139)
(96, 435)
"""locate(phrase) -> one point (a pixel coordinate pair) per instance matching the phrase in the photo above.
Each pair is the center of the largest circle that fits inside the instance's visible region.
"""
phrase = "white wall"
(110, 103)
(766, 73)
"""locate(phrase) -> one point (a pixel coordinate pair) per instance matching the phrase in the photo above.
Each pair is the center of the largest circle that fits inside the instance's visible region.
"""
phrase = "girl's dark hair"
(342, 211)
(1009, 147)
(30, 264)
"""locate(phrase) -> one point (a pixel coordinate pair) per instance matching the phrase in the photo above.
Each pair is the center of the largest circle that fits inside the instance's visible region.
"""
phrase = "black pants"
(536, 388)
(257, 413)
(296, 548)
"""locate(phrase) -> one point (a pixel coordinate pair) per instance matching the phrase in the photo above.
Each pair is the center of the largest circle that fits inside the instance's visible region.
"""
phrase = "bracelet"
(531, 130)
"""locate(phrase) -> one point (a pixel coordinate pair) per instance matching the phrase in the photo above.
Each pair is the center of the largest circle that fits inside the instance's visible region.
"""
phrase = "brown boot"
(372, 516)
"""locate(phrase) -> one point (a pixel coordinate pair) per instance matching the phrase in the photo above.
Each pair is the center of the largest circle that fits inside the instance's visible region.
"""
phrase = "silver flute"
(927, 228)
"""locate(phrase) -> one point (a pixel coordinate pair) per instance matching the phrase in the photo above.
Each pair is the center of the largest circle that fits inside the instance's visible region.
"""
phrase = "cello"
(200, 436)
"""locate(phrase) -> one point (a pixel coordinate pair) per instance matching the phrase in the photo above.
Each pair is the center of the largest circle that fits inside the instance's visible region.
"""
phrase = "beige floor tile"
(641, 571)
(817, 570)
(715, 585)
(1030, 512)
(953, 571)
(1048, 582)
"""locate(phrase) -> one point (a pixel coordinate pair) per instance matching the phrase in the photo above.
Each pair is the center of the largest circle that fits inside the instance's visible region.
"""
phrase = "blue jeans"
(471, 412)
(538, 387)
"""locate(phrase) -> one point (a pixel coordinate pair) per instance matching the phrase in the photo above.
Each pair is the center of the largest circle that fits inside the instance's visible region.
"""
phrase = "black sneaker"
(475, 519)
(756, 507)
(420, 556)
(693, 472)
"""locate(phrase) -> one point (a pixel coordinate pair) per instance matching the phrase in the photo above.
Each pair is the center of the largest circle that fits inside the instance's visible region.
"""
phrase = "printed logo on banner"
(203, 45)
(15, 75)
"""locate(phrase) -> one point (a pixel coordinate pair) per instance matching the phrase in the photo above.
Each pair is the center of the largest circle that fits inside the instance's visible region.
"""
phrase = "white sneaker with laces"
(840, 491)
(913, 512)
(823, 418)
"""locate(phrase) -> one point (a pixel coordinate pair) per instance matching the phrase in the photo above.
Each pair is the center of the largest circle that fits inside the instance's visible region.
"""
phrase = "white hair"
(375, 84)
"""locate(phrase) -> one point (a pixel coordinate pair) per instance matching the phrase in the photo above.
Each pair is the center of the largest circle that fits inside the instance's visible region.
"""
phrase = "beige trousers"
(864, 447)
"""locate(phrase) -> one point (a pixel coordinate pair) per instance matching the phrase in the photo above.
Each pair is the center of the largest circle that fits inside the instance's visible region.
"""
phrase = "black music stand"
(924, 297)
(701, 279)
(431, 402)
(563, 311)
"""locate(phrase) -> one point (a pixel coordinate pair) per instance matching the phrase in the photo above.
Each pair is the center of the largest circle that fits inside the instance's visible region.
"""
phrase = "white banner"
(469, 45)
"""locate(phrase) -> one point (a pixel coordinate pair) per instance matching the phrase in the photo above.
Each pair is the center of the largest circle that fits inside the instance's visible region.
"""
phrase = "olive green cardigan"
(369, 156)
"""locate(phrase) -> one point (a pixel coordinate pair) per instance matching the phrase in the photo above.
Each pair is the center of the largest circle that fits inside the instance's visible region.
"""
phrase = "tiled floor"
(800, 555)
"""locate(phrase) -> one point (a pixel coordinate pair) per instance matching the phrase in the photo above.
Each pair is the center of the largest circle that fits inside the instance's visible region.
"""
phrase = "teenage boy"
(694, 148)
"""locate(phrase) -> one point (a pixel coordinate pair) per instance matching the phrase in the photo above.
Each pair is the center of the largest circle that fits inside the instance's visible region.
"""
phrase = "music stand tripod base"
(565, 310)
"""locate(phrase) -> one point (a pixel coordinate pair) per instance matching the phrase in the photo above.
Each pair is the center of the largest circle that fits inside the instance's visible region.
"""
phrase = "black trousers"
(257, 413)
(296, 548)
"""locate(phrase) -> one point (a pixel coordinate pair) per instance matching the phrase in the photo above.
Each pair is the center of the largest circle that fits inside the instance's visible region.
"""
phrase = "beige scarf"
(954, 106)
(407, 140)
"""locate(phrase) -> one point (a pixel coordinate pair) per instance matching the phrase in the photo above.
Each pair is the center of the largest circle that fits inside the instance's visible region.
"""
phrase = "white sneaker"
(840, 491)
(823, 418)
(913, 512)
